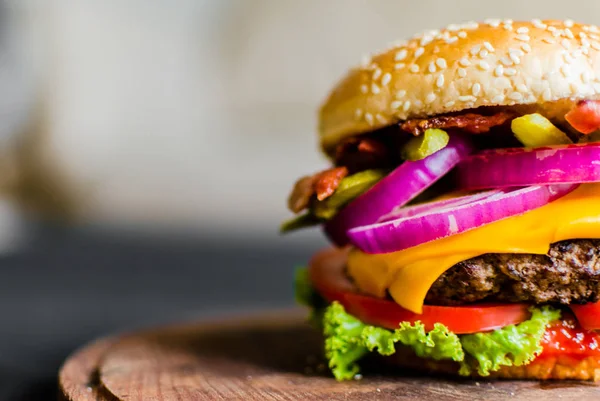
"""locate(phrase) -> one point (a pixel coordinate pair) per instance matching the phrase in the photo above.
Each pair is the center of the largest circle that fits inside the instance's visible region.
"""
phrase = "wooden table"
(270, 357)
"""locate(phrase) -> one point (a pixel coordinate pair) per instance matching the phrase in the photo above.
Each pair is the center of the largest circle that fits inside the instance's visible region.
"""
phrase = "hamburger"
(463, 205)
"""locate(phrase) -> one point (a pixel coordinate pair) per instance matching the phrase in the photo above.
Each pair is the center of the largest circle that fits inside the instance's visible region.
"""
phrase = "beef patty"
(569, 273)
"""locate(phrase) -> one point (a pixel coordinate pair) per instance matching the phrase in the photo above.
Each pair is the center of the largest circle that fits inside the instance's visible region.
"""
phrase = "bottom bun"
(555, 367)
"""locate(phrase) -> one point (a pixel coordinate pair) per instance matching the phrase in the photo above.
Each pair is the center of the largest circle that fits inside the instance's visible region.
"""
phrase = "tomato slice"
(326, 272)
(566, 337)
(585, 117)
(588, 315)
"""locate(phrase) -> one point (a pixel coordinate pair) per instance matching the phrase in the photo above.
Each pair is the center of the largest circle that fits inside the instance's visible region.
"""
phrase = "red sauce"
(566, 337)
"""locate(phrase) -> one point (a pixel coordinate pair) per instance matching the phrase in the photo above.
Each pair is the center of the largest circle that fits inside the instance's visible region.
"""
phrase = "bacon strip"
(322, 184)
(362, 153)
(469, 122)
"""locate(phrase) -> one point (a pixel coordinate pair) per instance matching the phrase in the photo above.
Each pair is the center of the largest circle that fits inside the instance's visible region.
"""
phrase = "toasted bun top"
(496, 63)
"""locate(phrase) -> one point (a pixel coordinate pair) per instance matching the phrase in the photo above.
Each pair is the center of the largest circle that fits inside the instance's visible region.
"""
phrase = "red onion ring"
(397, 189)
(516, 167)
(441, 219)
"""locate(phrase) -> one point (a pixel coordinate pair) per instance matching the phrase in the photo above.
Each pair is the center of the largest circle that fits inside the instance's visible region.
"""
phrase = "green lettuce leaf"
(347, 339)
(513, 345)
(307, 296)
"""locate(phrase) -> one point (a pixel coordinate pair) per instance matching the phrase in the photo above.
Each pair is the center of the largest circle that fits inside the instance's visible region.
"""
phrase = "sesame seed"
(586, 77)
(449, 104)
(538, 23)
(406, 105)
(401, 93)
(452, 40)
(436, 50)
(575, 87)
(499, 70)
(476, 89)
(431, 67)
(556, 33)
(439, 82)
(369, 118)
(462, 34)
(464, 62)
(522, 88)
(508, 27)
(498, 99)
(508, 21)
(594, 36)
(358, 113)
(515, 59)
(365, 60)
(462, 72)
(484, 65)
(489, 46)
(526, 48)
(401, 55)
(564, 69)
(425, 40)
(547, 95)
(569, 23)
(595, 45)
(585, 51)
(506, 61)
(396, 104)
(515, 96)
(399, 66)
(387, 77)
(494, 23)
(414, 68)
(375, 89)
(376, 73)
(550, 41)
(569, 33)
(430, 98)
(523, 37)
(551, 28)
(565, 43)
(381, 119)
(453, 27)
(585, 42)
(471, 25)
(594, 29)
(419, 52)
(364, 88)
(568, 57)
(441, 62)
(483, 53)
(509, 72)
(523, 29)
(475, 49)
(467, 98)
(582, 35)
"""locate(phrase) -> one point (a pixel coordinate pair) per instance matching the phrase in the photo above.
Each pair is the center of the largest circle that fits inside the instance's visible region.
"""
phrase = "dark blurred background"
(146, 151)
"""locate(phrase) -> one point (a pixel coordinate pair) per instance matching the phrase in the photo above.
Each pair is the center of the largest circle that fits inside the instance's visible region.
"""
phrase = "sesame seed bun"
(495, 63)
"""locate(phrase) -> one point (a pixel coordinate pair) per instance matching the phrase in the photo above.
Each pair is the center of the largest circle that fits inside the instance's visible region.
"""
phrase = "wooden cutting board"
(270, 357)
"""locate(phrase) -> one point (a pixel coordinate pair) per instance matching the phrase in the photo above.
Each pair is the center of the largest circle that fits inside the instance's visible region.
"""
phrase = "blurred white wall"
(203, 112)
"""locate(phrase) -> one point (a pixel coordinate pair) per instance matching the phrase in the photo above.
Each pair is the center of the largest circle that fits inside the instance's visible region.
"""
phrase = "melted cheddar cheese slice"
(409, 274)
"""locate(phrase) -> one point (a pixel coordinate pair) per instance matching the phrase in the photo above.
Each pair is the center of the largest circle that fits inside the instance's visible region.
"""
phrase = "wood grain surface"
(271, 357)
